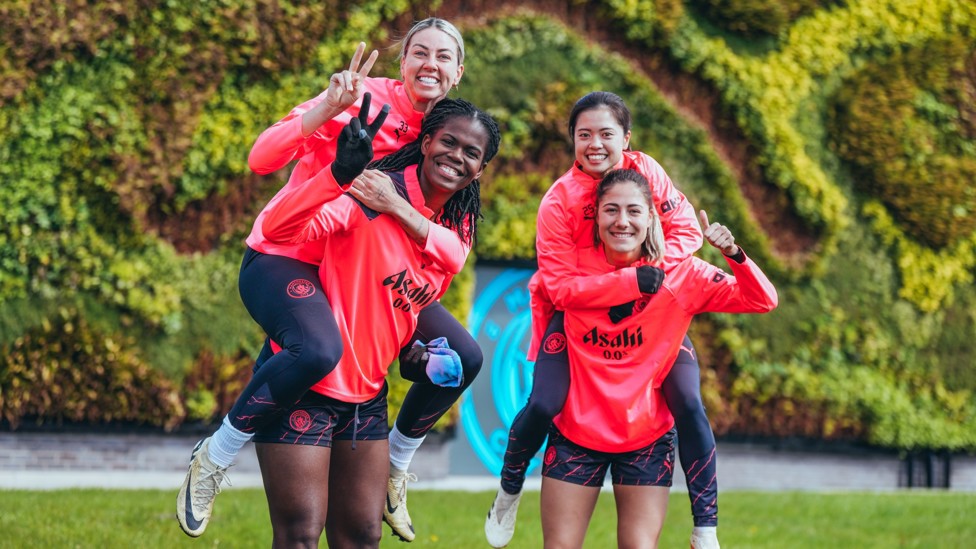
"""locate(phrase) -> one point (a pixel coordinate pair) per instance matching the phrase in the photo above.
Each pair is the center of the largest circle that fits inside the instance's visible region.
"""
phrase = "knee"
(470, 354)
(319, 356)
(471, 360)
(686, 406)
(298, 535)
(543, 410)
(364, 534)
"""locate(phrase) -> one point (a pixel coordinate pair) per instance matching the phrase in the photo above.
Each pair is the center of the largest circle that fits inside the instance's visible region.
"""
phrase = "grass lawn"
(145, 519)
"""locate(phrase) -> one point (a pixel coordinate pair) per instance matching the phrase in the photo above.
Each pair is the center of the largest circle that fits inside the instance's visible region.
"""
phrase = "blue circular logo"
(501, 322)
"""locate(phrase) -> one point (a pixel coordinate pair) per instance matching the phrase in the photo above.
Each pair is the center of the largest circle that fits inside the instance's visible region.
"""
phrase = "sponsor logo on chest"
(409, 291)
(622, 340)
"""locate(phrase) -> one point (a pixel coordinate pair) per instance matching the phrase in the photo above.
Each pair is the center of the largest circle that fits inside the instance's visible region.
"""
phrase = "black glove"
(649, 279)
(622, 311)
(354, 149)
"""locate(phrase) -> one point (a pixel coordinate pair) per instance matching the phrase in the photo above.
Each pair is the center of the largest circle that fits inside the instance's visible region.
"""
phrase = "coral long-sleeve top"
(284, 142)
(615, 402)
(376, 277)
(565, 224)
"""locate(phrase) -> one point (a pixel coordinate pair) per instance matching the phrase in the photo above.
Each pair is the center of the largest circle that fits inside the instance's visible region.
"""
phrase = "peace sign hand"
(719, 235)
(345, 87)
(354, 148)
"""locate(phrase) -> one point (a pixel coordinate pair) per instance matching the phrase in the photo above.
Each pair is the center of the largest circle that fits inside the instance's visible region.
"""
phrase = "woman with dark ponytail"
(380, 269)
(600, 128)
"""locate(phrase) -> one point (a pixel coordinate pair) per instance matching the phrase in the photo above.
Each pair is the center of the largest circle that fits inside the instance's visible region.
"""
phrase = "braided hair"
(462, 212)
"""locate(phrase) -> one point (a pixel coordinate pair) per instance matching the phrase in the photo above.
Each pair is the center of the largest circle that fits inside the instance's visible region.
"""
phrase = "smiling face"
(430, 65)
(454, 156)
(599, 141)
(622, 219)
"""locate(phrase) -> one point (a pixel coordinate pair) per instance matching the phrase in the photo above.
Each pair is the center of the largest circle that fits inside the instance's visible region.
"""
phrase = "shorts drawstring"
(355, 426)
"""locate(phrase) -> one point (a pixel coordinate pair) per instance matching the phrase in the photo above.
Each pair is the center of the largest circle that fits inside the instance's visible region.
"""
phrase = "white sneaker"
(395, 512)
(202, 484)
(500, 523)
(704, 538)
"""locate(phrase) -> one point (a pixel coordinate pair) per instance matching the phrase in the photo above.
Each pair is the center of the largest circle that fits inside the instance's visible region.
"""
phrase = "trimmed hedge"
(126, 134)
(65, 371)
(908, 128)
(756, 17)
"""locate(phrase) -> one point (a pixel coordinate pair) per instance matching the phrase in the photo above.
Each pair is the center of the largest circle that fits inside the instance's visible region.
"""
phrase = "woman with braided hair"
(279, 283)
(379, 271)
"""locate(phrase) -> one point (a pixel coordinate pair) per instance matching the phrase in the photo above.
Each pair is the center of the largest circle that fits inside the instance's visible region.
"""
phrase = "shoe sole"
(396, 533)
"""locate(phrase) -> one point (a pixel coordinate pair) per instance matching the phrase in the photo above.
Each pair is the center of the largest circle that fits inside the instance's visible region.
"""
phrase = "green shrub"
(65, 371)
(127, 125)
(907, 128)
(756, 17)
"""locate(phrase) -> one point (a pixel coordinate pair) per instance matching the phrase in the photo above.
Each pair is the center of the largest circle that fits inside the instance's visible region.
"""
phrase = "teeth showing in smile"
(448, 170)
(428, 80)
(596, 158)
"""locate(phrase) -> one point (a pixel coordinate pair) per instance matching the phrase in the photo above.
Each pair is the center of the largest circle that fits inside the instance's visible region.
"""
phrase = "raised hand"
(345, 87)
(354, 148)
(718, 235)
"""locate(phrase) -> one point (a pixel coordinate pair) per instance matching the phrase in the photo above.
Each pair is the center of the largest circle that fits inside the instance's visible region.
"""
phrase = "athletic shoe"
(202, 484)
(395, 513)
(500, 523)
(704, 538)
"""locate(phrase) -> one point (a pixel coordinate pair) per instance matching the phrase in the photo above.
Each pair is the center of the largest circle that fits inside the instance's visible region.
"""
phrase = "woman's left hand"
(718, 235)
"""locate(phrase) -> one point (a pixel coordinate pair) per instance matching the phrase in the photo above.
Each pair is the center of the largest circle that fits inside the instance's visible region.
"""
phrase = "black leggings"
(682, 392)
(286, 299)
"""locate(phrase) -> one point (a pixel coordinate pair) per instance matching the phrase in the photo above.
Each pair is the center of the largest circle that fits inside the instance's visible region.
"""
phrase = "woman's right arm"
(306, 211)
(294, 135)
(282, 142)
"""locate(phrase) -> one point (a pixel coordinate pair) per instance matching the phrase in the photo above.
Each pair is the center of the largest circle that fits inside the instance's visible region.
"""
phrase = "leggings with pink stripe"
(286, 299)
(682, 392)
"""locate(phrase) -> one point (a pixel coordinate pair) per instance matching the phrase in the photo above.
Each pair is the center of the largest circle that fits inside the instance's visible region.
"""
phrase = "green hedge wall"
(127, 125)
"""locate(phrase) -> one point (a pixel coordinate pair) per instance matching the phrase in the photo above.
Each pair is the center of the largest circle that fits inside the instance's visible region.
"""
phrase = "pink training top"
(615, 402)
(375, 276)
(566, 224)
(284, 142)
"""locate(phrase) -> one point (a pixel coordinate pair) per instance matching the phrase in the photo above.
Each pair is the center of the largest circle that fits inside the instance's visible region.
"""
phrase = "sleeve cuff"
(739, 257)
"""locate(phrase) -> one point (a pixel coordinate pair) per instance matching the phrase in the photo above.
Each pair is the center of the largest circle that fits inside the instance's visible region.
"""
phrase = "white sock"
(710, 531)
(504, 500)
(226, 443)
(402, 449)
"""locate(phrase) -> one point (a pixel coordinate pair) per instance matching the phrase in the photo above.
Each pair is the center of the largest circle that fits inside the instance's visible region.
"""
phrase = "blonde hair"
(440, 24)
(652, 248)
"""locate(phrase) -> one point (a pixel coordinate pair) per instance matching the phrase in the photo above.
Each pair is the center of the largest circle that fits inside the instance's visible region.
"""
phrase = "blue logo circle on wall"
(501, 322)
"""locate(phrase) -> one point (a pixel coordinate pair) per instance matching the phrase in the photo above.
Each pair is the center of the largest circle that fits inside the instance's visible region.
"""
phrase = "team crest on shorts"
(554, 343)
(300, 288)
(550, 455)
(300, 420)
